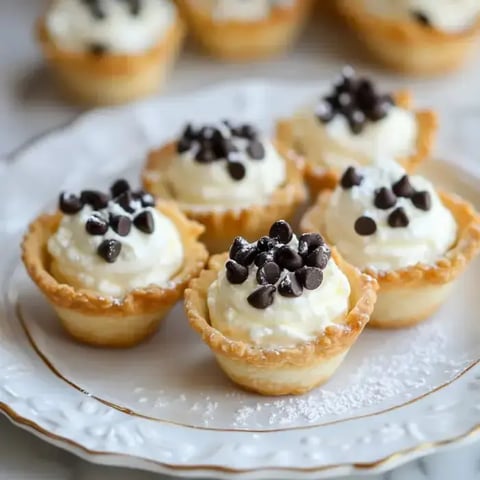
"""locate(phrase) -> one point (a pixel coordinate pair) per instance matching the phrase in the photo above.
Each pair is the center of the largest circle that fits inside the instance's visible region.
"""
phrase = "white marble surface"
(29, 106)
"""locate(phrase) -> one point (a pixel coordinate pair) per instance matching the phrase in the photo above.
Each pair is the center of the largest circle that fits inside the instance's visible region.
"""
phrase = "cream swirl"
(402, 230)
(113, 26)
(221, 182)
(450, 16)
(144, 259)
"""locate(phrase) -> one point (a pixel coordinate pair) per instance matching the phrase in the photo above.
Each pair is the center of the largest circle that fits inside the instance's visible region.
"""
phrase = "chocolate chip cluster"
(134, 203)
(385, 198)
(212, 144)
(281, 268)
(356, 99)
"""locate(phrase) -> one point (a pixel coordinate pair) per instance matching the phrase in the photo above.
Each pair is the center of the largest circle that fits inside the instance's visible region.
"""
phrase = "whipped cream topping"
(354, 122)
(92, 250)
(224, 167)
(450, 16)
(379, 217)
(284, 316)
(109, 26)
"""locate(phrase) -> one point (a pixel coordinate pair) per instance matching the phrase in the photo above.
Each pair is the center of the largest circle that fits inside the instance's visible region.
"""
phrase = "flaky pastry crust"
(319, 178)
(222, 226)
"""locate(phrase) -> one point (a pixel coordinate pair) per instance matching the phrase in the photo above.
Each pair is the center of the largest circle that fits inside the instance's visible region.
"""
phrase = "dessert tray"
(164, 405)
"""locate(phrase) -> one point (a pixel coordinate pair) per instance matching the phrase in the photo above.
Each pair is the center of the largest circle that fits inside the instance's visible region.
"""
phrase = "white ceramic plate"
(165, 406)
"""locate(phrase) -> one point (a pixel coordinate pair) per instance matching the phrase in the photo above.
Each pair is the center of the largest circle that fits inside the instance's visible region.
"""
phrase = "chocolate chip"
(207, 132)
(324, 111)
(95, 9)
(109, 250)
(318, 257)
(351, 178)
(223, 148)
(357, 121)
(290, 286)
(263, 257)
(96, 226)
(398, 218)
(134, 7)
(384, 198)
(146, 199)
(119, 187)
(183, 145)
(239, 243)
(365, 94)
(236, 170)
(365, 226)
(281, 231)
(236, 273)
(189, 132)
(125, 200)
(205, 155)
(144, 222)
(97, 49)
(403, 187)
(379, 109)
(421, 18)
(256, 150)
(96, 199)
(262, 297)
(268, 274)
(69, 203)
(309, 242)
(121, 224)
(287, 258)
(422, 200)
(247, 131)
(265, 243)
(243, 252)
(310, 277)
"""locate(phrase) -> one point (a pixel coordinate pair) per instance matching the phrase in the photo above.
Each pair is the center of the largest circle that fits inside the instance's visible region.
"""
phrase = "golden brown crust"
(331, 342)
(319, 178)
(443, 271)
(139, 301)
(222, 226)
(242, 40)
(398, 43)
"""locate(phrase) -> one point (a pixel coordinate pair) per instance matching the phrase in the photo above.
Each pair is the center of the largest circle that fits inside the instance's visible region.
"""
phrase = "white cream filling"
(334, 146)
(450, 16)
(73, 27)
(145, 259)
(288, 321)
(427, 238)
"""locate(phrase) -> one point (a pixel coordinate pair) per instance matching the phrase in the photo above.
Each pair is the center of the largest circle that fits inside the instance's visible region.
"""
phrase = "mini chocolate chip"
(97, 49)
(239, 243)
(385, 198)
(310, 277)
(266, 243)
(351, 178)
(318, 257)
(189, 132)
(398, 218)
(144, 222)
(121, 224)
(119, 187)
(268, 274)
(281, 231)
(288, 258)
(324, 111)
(263, 257)
(96, 225)
(109, 250)
(309, 242)
(69, 203)
(125, 200)
(248, 131)
(365, 226)
(403, 187)
(256, 150)
(262, 297)
(236, 273)
(289, 286)
(205, 155)
(183, 145)
(96, 199)
(236, 170)
(422, 200)
(421, 18)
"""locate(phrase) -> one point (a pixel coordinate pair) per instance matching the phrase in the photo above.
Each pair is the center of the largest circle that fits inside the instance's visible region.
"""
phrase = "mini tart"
(110, 79)
(319, 178)
(287, 370)
(407, 46)
(243, 40)
(222, 225)
(409, 295)
(106, 321)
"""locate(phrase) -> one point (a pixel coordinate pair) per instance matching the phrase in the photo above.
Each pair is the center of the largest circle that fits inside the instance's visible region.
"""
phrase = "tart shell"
(407, 46)
(107, 321)
(243, 40)
(410, 295)
(287, 370)
(319, 178)
(223, 225)
(111, 79)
